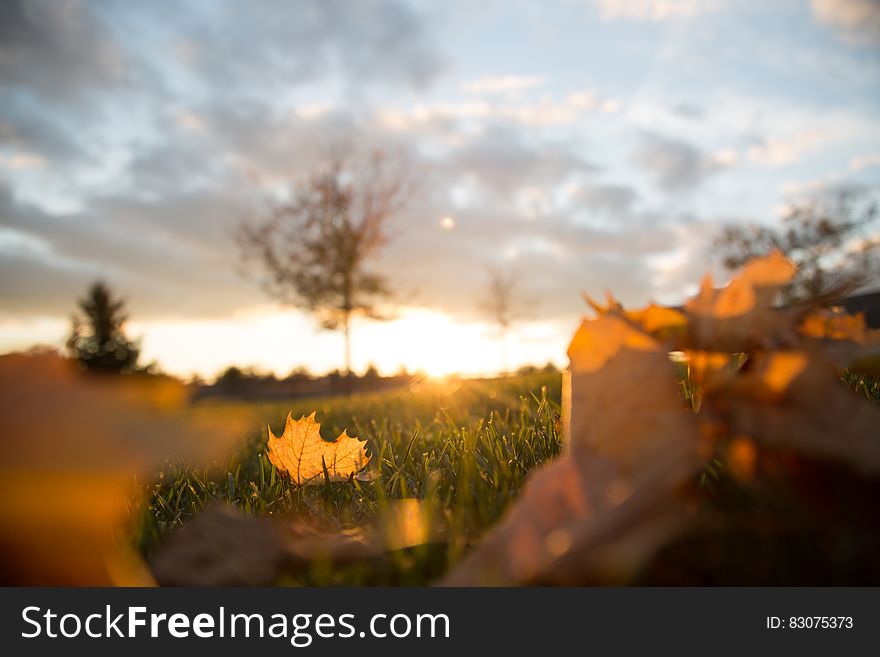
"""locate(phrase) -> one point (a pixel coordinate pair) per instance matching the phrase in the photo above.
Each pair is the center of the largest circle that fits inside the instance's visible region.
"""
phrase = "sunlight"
(417, 339)
(434, 343)
(277, 341)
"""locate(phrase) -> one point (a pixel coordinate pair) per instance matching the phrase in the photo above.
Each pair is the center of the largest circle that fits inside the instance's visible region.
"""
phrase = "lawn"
(463, 447)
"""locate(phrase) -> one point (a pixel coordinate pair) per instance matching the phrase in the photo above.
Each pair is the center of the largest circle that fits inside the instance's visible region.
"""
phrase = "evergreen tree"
(97, 340)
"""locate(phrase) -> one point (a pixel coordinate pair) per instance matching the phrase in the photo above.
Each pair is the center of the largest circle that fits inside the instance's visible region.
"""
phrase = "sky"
(580, 145)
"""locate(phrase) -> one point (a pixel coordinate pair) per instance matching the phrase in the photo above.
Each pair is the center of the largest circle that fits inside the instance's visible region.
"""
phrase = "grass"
(864, 384)
(463, 447)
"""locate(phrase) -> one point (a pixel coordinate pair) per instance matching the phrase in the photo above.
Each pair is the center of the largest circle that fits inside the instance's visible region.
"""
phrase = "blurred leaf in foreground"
(769, 378)
(595, 514)
(795, 400)
(72, 447)
(223, 547)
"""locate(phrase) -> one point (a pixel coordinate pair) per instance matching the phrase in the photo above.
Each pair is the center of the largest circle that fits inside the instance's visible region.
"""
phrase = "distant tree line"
(238, 381)
(247, 382)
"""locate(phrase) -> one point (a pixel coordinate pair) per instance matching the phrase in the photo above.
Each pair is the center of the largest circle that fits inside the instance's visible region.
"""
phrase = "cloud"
(608, 198)
(314, 110)
(57, 47)
(501, 84)
(386, 42)
(171, 214)
(855, 21)
(33, 127)
(69, 48)
(689, 111)
(22, 160)
(674, 164)
(189, 120)
(782, 151)
(502, 162)
(547, 112)
(652, 10)
(90, 90)
(860, 162)
(163, 239)
(172, 258)
(558, 256)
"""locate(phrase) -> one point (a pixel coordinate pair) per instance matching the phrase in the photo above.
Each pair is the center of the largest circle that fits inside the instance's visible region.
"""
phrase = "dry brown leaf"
(620, 492)
(761, 278)
(303, 454)
(220, 547)
(740, 316)
(575, 523)
(624, 401)
(707, 366)
(71, 446)
(844, 339)
(794, 399)
(223, 547)
(596, 513)
(835, 325)
(660, 322)
(611, 304)
(865, 360)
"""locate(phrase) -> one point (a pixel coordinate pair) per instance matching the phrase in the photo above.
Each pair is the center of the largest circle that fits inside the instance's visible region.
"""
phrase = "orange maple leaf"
(303, 454)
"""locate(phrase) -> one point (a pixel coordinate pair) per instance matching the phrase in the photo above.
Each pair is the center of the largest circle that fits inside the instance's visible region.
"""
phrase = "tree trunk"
(346, 331)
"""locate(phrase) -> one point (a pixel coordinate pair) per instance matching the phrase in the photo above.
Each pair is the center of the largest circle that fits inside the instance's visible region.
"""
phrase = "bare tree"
(830, 243)
(502, 305)
(312, 249)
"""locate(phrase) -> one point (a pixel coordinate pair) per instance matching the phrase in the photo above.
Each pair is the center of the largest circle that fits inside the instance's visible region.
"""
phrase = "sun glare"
(417, 339)
(434, 343)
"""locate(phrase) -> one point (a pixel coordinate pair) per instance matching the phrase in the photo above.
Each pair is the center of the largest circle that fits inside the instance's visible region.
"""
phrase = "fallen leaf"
(661, 322)
(741, 455)
(72, 446)
(595, 514)
(844, 339)
(770, 378)
(624, 400)
(303, 454)
(834, 324)
(611, 304)
(575, 523)
(221, 546)
(795, 400)
(741, 316)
